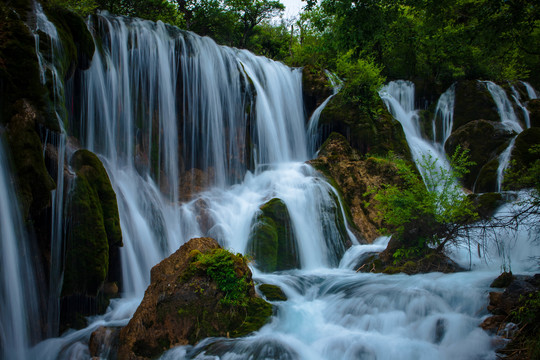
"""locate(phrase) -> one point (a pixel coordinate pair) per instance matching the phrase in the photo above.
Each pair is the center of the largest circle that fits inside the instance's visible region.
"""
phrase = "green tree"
(432, 211)
(251, 13)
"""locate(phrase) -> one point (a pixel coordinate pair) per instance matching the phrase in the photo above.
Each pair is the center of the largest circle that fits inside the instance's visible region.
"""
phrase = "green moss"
(486, 204)
(487, 177)
(503, 280)
(272, 243)
(273, 292)
(94, 227)
(473, 101)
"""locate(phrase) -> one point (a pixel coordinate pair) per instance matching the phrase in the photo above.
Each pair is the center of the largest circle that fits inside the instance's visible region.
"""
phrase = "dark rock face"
(272, 242)
(485, 140)
(199, 291)
(315, 88)
(366, 133)
(272, 292)
(486, 204)
(92, 260)
(534, 112)
(353, 176)
(473, 102)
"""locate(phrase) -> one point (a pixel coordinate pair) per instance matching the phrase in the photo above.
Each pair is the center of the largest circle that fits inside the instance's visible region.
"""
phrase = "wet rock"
(272, 292)
(534, 112)
(503, 280)
(367, 133)
(486, 140)
(104, 343)
(193, 182)
(354, 177)
(473, 102)
(199, 291)
(487, 204)
(272, 243)
(315, 87)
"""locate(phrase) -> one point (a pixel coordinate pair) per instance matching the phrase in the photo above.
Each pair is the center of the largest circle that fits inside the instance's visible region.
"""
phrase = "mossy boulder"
(488, 177)
(199, 291)
(315, 87)
(92, 261)
(525, 140)
(376, 132)
(486, 140)
(272, 243)
(473, 102)
(272, 292)
(486, 204)
(534, 112)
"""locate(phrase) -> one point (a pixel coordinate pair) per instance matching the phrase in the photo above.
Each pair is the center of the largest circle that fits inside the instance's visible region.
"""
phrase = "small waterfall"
(444, 117)
(313, 124)
(517, 100)
(399, 99)
(504, 106)
(530, 91)
(19, 313)
(504, 160)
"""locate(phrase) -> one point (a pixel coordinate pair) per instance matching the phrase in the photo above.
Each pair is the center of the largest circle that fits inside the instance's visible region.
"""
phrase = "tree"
(252, 12)
(431, 212)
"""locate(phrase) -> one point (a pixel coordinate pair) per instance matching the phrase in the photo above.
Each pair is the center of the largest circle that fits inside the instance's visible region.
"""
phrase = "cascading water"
(313, 124)
(19, 312)
(530, 91)
(399, 99)
(157, 104)
(443, 120)
(517, 100)
(509, 119)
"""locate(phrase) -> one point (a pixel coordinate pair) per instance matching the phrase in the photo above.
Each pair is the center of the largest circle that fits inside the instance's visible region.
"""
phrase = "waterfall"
(504, 106)
(19, 313)
(517, 100)
(399, 99)
(530, 91)
(313, 124)
(444, 117)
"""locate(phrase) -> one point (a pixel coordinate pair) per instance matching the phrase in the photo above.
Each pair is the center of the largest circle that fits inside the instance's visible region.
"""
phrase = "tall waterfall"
(19, 312)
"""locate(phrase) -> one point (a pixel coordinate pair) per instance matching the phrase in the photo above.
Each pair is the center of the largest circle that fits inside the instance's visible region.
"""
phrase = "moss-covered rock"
(189, 299)
(94, 227)
(521, 155)
(485, 140)
(473, 102)
(315, 87)
(487, 177)
(33, 181)
(272, 292)
(272, 242)
(375, 133)
(534, 112)
(354, 177)
(486, 204)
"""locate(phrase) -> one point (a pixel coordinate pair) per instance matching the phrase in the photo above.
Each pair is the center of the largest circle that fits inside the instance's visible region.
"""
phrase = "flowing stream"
(168, 112)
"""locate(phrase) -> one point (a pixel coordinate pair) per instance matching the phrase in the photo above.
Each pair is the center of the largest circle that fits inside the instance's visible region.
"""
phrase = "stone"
(473, 101)
(534, 112)
(103, 342)
(315, 87)
(272, 292)
(199, 291)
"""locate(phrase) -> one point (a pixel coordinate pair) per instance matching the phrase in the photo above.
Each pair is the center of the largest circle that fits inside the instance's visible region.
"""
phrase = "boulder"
(534, 112)
(485, 140)
(354, 177)
(272, 292)
(486, 204)
(199, 291)
(103, 343)
(272, 243)
(473, 102)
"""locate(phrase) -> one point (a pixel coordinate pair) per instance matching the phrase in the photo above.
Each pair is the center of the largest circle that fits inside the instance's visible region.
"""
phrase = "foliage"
(221, 265)
(432, 213)
(81, 7)
(529, 309)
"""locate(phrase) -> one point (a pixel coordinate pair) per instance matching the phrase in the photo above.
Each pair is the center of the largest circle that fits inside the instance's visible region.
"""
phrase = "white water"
(443, 120)
(517, 100)
(530, 91)
(19, 312)
(202, 116)
(504, 107)
(313, 124)
(399, 99)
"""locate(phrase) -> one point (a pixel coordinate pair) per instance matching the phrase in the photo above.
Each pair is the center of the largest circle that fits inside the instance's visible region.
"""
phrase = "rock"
(503, 280)
(272, 292)
(354, 177)
(485, 140)
(473, 102)
(193, 182)
(199, 291)
(534, 112)
(487, 204)
(272, 243)
(367, 133)
(315, 88)
(103, 342)
(492, 323)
